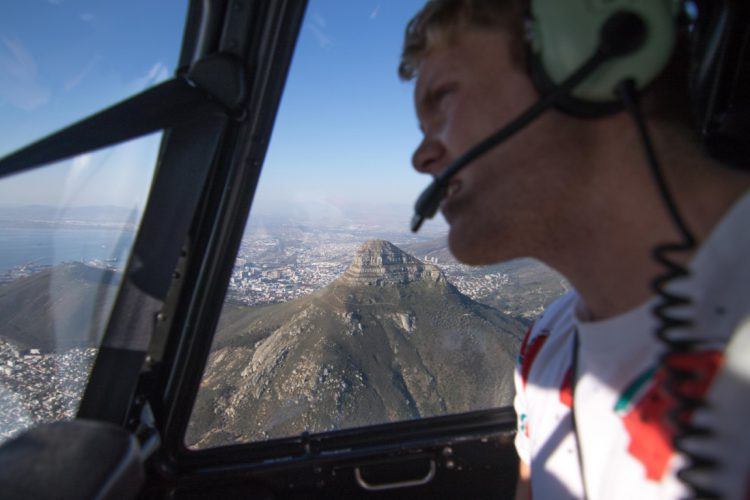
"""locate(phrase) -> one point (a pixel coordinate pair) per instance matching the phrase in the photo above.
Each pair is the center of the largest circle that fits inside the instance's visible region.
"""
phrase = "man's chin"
(474, 245)
(469, 250)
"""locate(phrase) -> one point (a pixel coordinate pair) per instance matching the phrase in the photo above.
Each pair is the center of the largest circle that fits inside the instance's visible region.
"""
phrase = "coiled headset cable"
(671, 329)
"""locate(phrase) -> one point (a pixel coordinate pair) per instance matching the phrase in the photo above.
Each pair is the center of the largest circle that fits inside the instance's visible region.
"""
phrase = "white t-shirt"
(620, 400)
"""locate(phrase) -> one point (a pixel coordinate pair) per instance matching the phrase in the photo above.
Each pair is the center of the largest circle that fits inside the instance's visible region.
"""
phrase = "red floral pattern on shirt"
(647, 420)
(566, 389)
(528, 352)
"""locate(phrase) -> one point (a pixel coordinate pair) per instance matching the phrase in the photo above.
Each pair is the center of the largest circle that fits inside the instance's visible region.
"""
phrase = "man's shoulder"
(557, 320)
(558, 316)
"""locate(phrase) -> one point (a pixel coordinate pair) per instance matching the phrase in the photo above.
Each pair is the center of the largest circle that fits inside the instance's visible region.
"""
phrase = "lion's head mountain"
(390, 339)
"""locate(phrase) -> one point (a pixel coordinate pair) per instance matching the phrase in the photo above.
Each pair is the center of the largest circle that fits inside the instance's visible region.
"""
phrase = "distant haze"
(391, 216)
(93, 213)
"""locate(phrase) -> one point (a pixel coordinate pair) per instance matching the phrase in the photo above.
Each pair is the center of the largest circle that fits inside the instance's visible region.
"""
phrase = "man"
(578, 195)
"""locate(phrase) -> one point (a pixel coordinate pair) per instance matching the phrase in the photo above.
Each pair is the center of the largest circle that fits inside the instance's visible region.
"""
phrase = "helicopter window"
(66, 230)
(337, 316)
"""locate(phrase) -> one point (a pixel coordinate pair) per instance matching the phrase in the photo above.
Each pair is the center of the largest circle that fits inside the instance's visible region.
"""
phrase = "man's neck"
(605, 247)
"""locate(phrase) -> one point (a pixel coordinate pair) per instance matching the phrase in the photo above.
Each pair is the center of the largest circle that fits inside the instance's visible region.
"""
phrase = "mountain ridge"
(58, 308)
(378, 262)
(391, 339)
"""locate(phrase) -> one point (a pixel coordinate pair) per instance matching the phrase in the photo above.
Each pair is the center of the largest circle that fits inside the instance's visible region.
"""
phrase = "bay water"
(53, 245)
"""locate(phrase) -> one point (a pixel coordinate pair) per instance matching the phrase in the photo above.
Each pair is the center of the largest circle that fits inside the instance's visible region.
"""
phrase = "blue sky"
(346, 127)
(61, 60)
(344, 134)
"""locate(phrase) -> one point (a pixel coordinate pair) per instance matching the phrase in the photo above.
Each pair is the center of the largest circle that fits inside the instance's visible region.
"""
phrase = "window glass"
(62, 60)
(66, 229)
(337, 316)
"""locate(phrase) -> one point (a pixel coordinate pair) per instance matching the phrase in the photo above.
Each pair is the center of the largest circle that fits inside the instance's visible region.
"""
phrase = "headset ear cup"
(564, 34)
(567, 104)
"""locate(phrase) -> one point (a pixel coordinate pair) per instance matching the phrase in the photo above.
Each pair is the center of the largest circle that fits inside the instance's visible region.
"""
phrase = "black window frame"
(198, 315)
(158, 339)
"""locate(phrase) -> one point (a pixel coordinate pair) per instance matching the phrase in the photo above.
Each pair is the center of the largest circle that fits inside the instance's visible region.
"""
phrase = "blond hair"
(440, 21)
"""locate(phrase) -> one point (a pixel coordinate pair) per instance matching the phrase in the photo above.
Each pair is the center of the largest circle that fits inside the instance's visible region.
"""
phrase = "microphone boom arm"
(429, 201)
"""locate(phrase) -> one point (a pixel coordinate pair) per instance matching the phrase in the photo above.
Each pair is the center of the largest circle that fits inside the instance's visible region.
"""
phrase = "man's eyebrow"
(425, 95)
(422, 89)
(422, 101)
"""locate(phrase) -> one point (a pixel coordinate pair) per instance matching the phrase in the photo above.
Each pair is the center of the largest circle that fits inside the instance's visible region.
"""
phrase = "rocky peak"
(380, 262)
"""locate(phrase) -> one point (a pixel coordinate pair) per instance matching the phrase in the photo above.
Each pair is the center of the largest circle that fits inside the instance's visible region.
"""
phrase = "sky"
(61, 60)
(344, 133)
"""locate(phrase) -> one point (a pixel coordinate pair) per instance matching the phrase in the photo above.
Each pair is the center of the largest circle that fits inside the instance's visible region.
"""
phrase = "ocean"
(50, 246)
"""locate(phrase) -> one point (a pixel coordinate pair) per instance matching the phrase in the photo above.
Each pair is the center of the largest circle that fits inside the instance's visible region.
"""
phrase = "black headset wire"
(669, 327)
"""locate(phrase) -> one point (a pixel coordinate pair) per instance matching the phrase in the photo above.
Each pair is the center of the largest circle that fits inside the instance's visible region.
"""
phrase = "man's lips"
(451, 193)
(453, 188)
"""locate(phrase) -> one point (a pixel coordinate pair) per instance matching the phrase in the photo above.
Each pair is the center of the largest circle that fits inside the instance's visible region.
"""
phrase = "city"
(40, 387)
(273, 270)
(274, 266)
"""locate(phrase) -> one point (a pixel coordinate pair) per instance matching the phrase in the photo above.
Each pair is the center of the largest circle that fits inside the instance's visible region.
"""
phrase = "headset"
(590, 58)
(585, 60)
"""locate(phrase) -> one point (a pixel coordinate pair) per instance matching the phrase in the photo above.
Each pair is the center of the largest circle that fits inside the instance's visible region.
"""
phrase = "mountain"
(531, 286)
(435, 248)
(391, 339)
(58, 308)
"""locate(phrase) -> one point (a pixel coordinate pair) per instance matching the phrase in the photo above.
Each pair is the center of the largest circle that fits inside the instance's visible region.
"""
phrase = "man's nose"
(426, 158)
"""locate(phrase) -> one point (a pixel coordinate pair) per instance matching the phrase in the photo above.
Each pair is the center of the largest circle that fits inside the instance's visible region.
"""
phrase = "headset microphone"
(622, 34)
(429, 201)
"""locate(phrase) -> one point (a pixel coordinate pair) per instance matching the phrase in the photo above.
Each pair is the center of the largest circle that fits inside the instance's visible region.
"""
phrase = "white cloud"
(87, 17)
(55, 2)
(80, 162)
(129, 169)
(76, 80)
(80, 170)
(317, 26)
(156, 74)
(18, 77)
(319, 20)
(323, 40)
(119, 175)
(375, 12)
